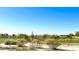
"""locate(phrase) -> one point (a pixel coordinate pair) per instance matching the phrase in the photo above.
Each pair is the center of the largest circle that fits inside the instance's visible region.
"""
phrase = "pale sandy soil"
(73, 47)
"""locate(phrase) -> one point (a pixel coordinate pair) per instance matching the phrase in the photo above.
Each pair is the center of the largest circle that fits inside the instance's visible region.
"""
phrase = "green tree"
(23, 37)
(32, 36)
(77, 34)
(46, 36)
(55, 37)
(70, 36)
(2, 35)
(6, 35)
(13, 36)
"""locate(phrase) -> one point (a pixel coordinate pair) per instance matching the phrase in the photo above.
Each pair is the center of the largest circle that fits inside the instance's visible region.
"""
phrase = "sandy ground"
(73, 47)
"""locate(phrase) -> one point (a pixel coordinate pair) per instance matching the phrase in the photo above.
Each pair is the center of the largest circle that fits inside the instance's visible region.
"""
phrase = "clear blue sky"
(39, 20)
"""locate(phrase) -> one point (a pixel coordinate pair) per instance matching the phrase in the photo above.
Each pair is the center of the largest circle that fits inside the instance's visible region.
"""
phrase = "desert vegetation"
(51, 40)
